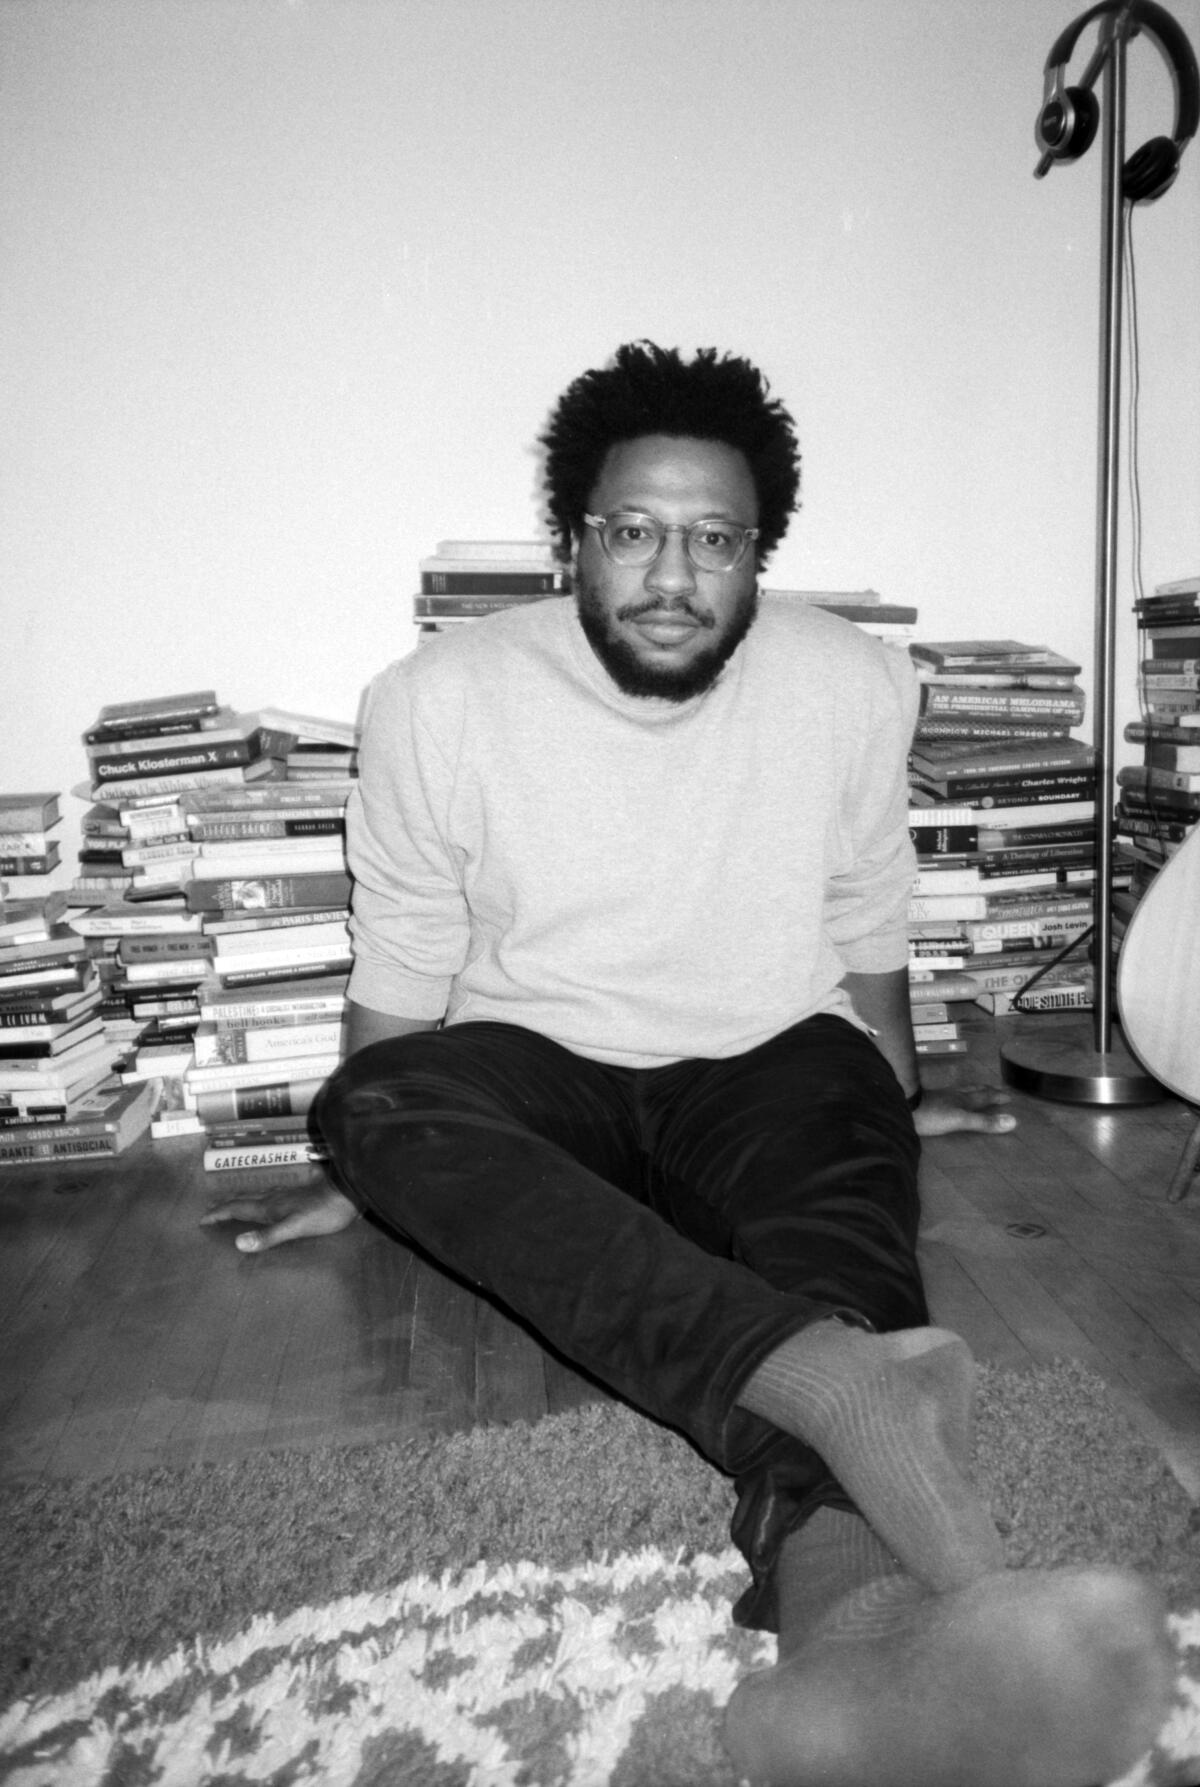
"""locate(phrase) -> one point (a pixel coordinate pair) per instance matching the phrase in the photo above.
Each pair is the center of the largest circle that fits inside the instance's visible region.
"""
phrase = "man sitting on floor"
(630, 1049)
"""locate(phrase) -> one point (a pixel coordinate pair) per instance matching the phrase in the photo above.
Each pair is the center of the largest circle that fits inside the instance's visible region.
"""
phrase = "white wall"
(289, 287)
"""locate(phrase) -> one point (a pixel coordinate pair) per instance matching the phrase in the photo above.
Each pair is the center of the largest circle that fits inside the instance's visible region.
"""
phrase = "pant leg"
(799, 1159)
(517, 1165)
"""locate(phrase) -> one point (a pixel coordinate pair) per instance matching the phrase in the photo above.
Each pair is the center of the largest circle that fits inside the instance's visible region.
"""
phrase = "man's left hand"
(964, 1107)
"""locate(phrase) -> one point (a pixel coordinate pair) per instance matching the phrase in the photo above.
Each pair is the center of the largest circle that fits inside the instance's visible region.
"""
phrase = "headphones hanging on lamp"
(1067, 123)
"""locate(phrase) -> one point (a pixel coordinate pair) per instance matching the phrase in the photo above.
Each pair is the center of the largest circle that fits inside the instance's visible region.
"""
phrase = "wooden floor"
(130, 1337)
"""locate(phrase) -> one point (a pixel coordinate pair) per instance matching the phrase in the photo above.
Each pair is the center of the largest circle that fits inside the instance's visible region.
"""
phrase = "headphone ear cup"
(1068, 123)
(1150, 170)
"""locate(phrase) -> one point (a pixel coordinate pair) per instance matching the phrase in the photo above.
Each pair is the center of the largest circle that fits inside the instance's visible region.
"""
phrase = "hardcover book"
(989, 654)
(28, 812)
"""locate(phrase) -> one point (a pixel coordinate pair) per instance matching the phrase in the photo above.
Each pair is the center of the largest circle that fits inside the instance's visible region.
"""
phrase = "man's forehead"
(682, 469)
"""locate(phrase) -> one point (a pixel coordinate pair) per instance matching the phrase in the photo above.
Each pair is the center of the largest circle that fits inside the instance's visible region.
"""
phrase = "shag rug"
(558, 1635)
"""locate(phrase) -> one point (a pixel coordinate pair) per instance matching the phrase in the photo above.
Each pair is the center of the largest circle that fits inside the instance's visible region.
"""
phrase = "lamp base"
(1059, 1060)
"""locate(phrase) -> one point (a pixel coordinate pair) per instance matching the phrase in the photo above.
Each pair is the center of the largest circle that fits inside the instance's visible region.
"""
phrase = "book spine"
(1146, 776)
(1136, 826)
(193, 704)
(31, 1013)
(26, 843)
(327, 965)
(1009, 790)
(28, 959)
(1017, 704)
(1172, 642)
(278, 1154)
(1173, 682)
(965, 728)
(1059, 931)
(259, 892)
(182, 759)
(944, 840)
(177, 850)
(287, 1098)
(1019, 837)
(482, 584)
(282, 1010)
(226, 1078)
(940, 988)
(240, 731)
(161, 969)
(33, 812)
(95, 1129)
(30, 1048)
(231, 1045)
(152, 788)
(1143, 732)
(254, 924)
(945, 763)
(1045, 856)
(26, 1153)
(1029, 801)
(946, 906)
(148, 730)
(1184, 758)
(260, 949)
(29, 865)
(250, 798)
(221, 830)
(163, 946)
(1078, 998)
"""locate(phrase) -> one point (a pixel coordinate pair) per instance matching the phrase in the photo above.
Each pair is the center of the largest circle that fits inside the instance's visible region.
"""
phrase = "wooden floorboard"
(131, 1337)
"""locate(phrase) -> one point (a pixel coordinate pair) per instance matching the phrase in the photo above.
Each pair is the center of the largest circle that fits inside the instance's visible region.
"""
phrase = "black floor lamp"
(1085, 1062)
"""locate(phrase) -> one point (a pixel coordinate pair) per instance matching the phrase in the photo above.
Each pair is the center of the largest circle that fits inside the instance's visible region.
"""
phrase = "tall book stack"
(466, 580)
(1159, 799)
(270, 886)
(26, 846)
(1003, 816)
(58, 1097)
(127, 899)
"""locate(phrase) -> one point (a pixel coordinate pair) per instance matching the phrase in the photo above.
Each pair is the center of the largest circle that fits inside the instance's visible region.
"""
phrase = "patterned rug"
(369, 1616)
(604, 1676)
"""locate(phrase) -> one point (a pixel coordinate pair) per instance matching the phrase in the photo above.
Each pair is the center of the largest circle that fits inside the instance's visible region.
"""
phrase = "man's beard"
(634, 675)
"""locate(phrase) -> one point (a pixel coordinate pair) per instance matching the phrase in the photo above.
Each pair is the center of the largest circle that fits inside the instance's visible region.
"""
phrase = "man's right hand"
(284, 1213)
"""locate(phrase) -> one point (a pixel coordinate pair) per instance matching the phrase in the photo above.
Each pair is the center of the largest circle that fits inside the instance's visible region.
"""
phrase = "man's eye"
(713, 536)
(631, 533)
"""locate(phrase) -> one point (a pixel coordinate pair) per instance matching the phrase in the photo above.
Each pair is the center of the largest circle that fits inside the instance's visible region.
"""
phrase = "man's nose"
(672, 572)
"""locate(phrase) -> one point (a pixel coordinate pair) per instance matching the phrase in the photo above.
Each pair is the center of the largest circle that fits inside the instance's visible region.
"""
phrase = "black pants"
(664, 1228)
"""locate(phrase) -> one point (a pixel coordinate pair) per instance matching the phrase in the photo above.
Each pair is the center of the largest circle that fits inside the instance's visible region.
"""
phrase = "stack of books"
(466, 580)
(1159, 799)
(127, 898)
(26, 847)
(1003, 816)
(271, 889)
(58, 1097)
(213, 879)
(893, 622)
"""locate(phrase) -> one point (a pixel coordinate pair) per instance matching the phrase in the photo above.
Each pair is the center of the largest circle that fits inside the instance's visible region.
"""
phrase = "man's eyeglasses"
(635, 540)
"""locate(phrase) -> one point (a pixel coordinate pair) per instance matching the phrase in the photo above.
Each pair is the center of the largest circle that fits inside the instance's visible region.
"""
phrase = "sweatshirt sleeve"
(867, 897)
(409, 919)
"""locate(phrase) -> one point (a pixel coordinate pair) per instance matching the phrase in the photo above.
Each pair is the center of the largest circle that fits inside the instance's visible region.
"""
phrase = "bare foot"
(1027, 1678)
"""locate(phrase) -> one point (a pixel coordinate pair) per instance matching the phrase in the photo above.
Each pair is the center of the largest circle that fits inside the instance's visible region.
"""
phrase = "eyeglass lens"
(637, 539)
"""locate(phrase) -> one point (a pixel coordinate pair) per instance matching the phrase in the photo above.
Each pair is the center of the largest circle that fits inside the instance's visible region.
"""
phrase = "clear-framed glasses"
(635, 540)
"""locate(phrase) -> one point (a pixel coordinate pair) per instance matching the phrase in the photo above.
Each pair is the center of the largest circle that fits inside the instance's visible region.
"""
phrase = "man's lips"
(666, 629)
